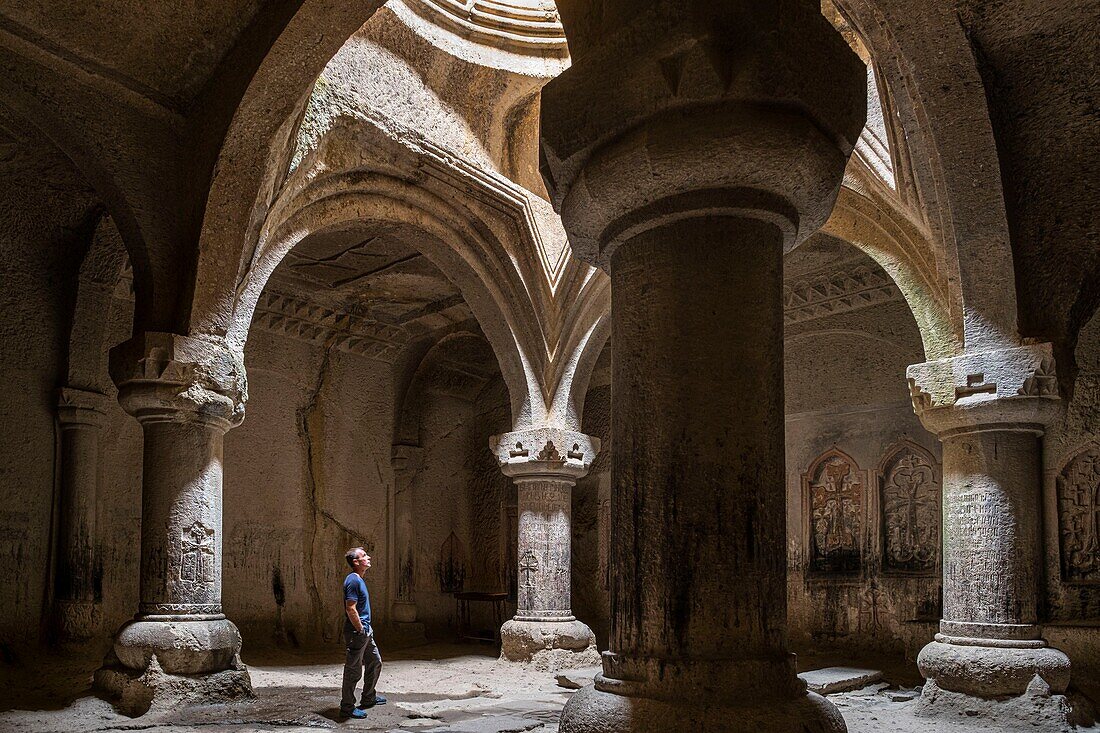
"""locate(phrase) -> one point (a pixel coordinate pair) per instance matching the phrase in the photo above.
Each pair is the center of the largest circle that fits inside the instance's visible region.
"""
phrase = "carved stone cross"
(529, 565)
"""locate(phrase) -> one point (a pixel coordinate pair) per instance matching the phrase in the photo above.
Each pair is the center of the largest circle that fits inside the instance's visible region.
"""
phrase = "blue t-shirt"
(355, 589)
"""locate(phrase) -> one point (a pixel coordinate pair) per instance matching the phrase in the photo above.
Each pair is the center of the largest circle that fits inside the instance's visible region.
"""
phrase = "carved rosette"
(1079, 517)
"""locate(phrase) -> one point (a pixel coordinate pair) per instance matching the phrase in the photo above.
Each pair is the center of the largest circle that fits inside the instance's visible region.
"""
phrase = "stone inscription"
(836, 510)
(910, 513)
(1079, 517)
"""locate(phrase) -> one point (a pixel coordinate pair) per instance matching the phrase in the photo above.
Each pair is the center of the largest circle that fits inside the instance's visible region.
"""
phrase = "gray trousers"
(363, 660)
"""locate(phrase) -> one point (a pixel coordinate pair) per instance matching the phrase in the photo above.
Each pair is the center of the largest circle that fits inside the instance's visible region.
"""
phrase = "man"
(363, 659)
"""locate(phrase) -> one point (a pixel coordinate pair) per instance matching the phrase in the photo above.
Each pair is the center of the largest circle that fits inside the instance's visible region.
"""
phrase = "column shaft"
(991, 534)
(76, 535)
(698, 529)
(544, 551)
(181, 522)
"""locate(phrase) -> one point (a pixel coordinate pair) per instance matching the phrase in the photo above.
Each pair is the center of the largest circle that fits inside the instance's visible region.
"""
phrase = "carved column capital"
(166, 377)
(1013, 389)
(80, 407)
(738, 108)
(545, 453)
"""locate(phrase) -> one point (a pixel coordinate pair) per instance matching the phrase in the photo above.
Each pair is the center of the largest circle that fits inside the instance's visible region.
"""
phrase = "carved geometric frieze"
(910, 505)
(834, 491)
(1079, 517)
(830, 293)
(305, 321)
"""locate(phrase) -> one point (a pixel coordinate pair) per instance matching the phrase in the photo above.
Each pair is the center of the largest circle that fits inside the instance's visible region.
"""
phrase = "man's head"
(358, 560)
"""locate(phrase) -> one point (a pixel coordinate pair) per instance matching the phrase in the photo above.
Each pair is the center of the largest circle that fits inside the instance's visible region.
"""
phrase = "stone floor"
(434, 689)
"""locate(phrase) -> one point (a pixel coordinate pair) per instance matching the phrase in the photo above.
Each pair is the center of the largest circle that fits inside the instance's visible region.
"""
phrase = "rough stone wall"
(48, 213)
(307, 476)
(846, 392)
(1071, 510)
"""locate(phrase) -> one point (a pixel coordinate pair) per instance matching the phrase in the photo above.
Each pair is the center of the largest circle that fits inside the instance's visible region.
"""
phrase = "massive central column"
(989, 411)
(545, 464)
(686, 153)
(186, 393)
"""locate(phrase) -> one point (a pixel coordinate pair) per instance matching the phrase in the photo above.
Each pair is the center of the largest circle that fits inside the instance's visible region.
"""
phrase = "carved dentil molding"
(831, 293)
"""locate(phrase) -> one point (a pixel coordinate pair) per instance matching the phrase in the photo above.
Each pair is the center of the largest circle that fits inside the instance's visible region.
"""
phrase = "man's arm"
(353, 616)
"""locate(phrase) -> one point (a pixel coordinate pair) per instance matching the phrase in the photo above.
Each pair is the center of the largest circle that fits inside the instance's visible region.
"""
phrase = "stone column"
(80, 414)
(990, 411)
(186, 393)
(685, 157)
(407, 460)
(545, 464)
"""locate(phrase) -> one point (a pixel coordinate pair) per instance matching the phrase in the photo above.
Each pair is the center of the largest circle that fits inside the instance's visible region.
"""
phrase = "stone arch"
(407, 425)
(448, 235)
(963, 203)
(899, 247)
(834, 507)
(104, 269)
(587, 330)
(909, 486)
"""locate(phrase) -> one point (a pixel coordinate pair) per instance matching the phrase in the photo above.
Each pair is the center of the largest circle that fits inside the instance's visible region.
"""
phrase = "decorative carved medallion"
(197, 554)
(1079, 517)
(835, 489)
(911, 518)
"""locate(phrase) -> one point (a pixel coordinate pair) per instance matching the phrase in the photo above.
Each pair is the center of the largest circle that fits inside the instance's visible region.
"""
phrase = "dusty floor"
(435, 689)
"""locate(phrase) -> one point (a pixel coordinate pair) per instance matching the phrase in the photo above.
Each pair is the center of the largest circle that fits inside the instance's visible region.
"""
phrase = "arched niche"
(835, 497)
(911, 521)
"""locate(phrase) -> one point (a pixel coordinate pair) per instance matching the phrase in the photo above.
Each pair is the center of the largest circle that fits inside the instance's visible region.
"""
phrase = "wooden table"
(464, 599)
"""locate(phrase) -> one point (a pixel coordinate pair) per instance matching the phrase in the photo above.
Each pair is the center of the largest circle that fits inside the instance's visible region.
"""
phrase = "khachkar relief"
(911, 517)
(1079, 517)
(834, 499)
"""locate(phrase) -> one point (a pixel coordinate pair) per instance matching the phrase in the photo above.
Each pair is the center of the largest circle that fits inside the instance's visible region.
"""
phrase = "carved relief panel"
(911, 517)
(1079, 517)
(834, 500)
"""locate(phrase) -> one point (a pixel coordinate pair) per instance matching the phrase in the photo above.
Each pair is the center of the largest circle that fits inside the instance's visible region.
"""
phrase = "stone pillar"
(685, 157)
(186, 393)
(545, 464)
(407, 460)
(80, 414)
(990, 411)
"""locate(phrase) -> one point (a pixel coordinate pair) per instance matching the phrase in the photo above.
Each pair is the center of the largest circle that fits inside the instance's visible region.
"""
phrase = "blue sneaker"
(378, 700)
(359, 713)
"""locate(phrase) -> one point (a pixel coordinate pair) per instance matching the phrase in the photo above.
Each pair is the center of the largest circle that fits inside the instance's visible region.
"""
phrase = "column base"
(1035, 710)
(181, 647)
(549, 644)
(594, 711)
(991, 668)
(136, 692)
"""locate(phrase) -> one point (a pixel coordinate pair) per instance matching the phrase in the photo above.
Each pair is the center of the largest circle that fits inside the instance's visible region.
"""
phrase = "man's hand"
(353, 616)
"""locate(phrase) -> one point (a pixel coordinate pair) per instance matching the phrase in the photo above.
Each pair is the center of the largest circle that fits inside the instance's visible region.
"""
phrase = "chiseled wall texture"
(1071, 492)
(307, 476)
